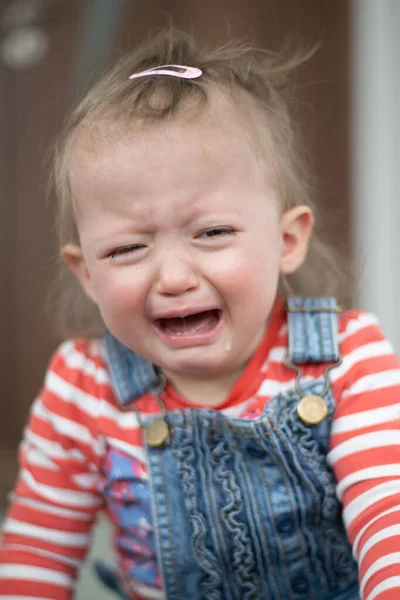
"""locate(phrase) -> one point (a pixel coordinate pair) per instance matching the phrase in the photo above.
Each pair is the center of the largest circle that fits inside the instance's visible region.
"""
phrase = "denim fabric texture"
(247, 509)
(313, 336)
(131, 374)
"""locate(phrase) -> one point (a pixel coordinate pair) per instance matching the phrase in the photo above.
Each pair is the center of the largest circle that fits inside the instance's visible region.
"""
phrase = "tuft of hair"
(235, 68)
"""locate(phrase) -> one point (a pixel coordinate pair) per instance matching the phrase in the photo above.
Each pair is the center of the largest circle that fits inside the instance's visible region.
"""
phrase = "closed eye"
(125, 250)
(216, 231)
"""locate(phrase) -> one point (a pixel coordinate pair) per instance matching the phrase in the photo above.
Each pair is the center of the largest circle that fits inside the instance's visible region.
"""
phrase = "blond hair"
(234, 69)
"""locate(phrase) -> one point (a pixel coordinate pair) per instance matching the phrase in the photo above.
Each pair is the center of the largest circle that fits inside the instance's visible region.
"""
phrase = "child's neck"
(205, 392)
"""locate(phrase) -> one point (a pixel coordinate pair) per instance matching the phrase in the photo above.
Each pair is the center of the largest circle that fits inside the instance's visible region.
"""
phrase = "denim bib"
(246, 509)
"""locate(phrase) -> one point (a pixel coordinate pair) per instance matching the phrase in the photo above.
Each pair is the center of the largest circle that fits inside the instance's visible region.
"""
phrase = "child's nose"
(176, 275)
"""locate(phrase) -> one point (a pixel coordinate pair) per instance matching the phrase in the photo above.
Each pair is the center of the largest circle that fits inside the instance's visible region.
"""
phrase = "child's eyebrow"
(200, 211)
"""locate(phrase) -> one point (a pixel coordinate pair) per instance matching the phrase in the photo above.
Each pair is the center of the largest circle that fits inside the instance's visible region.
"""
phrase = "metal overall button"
(156, 432)
(312, 409)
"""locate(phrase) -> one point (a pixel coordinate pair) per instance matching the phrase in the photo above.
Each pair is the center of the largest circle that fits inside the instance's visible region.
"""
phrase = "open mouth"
(190, 324)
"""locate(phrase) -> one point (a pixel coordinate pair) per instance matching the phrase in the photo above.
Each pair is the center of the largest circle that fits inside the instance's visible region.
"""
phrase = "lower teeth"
(185, 332)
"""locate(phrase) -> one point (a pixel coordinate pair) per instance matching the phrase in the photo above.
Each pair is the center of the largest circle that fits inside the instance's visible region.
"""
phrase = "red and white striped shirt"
(76, 418)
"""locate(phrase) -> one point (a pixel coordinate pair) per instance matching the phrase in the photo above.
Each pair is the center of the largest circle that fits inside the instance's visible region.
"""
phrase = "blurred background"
(348, 94)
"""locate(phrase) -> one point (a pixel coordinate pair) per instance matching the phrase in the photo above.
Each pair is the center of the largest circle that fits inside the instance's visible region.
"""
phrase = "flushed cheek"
(249, 297)
(119, 294)
(246, 276)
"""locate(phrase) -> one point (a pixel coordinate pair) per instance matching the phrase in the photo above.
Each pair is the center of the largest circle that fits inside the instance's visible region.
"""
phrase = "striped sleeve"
(365, 453)
(55, 501)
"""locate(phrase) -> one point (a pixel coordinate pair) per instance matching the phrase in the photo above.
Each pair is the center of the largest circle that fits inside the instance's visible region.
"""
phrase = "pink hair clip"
(172, 70)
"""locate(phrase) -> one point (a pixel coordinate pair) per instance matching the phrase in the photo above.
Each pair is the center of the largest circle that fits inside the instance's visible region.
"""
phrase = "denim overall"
(246, 509)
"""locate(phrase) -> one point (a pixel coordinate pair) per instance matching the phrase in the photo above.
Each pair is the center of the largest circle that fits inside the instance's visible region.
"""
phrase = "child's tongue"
(191, 323)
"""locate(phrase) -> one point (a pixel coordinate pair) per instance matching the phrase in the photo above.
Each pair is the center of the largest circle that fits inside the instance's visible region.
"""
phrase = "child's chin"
(200, 363)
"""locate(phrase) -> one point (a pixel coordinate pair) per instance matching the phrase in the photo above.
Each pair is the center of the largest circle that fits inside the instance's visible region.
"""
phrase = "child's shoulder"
(81, 361)
(77, 382)
(358, 321)
(360, 328)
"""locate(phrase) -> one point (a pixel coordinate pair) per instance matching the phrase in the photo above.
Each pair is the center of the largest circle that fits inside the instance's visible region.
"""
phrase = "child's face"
(182, 243)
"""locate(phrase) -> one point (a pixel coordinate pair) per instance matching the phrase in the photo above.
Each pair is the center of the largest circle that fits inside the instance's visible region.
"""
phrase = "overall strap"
(132, 375)
(313, 330)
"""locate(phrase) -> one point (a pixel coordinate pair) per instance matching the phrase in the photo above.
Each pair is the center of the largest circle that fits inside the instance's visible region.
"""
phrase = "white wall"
(375, 87)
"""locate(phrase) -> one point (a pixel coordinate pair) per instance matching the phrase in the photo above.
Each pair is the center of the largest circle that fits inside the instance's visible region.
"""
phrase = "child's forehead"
(186, 149)
(234, 116)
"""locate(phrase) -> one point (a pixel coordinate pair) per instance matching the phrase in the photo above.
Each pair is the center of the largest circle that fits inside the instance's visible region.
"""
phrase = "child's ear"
(296, 227)
(72, 256)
